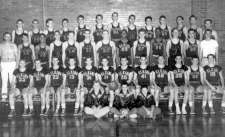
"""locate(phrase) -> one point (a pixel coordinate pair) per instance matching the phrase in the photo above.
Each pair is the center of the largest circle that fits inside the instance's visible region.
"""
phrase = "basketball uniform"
(181, 35)
(123, 74)
(123, 101)
(175, 50)
(195, 77)
(125, 51)
(43, 55)
(56, 76)
(115, 33)
(143, 76)
(98, 33)
(71, 52)
(105, 51)
(179, 75)
(50, 37)
(89, 77)
(149, 35)
(106, 75)
(101, 99)
(64, 36)
(164, 33)
(192, 51)
(18, 40)
(35, 38)
(212, 75)
(57, 52)
(132, 36)
(87, 52)
(39, 78)
(22, 79)
(27, 55)
(141, 50)
(80, 34)
(158, 47)
(72, 77)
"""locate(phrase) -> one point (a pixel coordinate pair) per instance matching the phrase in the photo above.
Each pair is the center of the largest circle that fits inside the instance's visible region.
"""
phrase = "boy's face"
(163, 21)
(115, 17)
(191, 34)
(132, 20)
(25, 39)
(37, 63)
(87, 34)
(7, 37)
(105, 35)
(55, 61)
(175, 33)
(104, 62)
(71, 62)
(22, 64)
(208, 34)
(65, 24)
(124, 89)
(211, 59)
(19, 24)
(142, 34)
(148, 22)
(71, 36)
(50, 24)
(180, 20)
(161, 60)
(195, 61)
(57, 35)
(208, 24)
(35, 24)
(123, 61)
(88, 61)
(99, 20)
(143, 60)
(178, 59)
(42, 39)
(80, 20)
(193, 21)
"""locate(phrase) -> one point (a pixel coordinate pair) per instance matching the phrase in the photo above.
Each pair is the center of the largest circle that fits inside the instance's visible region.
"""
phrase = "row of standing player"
(138, 92)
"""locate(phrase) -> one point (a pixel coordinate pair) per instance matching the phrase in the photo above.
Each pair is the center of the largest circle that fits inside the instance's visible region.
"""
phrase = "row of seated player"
(155, 82)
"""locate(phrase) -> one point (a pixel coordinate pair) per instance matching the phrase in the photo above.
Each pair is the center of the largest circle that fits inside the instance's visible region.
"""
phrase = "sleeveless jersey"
(87, 52)
(149, 35)
(50, 37)
(179, 75)
(181, 35)
(89, 77)
(192, 50)
(143, 76)
(26, 54)
(164, 33)
(106, 75)
(80, 34)
(195, 77)
(175, 49)
(98, 34)
(212, 75)
(72, 77)
(115, 33)
(43, 55)
(64, 36)
(57, 52)
(161, 76)
(141, 50)
(158, 46)
(105, 51)
(125, 51)
(123, 74)
(132, 35)
(18, 40)
(22, 78)
(35, 38)
(56, 77)
(39, 78)
(71, 52)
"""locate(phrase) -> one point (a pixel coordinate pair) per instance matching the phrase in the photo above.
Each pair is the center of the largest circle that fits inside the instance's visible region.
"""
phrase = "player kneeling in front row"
(21, 84)
(73, 84)
(195, 81)
(215, 84)
(97, 101)
(39, 83)
(56, 87)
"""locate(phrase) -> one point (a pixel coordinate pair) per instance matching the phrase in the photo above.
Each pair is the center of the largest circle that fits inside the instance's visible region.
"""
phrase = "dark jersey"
(18, 40)
(64, 36)
(143, 76)
(116, 33)
(39, 78)
(105, 51)
(149, 34)
(56, 76)
(132, 35)
(35, 38)
(141, 50)
(89, 77)
(124, 50)
(26, 54)
(181, 34)
(100, 99)
(161, 75)
(80, 33)
(212, 75)
(57, 52)
(106, 75)
(123, 101)
(123, 74)
(87, 52)
(192, 50)
(158, 46)
(195, 76)
(146, 101)
(43, 55)
(165, 33)
(179, 75)
(71, 52)
(50, 37)
(22, 78)
(72, 77)
(175, 49)
(98, 33)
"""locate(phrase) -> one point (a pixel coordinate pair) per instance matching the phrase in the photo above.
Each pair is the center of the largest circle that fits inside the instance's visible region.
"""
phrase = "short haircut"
(115, 13)
(210, 20)
(124, 30)
(99, 15)
(48, 20)
(141, 30)
(42, 34)
(132, 15)
(35, 20)
(25, 34)
(19, 20)
(148, 17)
(191, 30)
(87, 30)
(209, 30)
(71, 32)
(180, 17)
(80, 16)
(6, 33)
(57, 31)
(211, 55)
(194, 57)
(65, 19)
(193, 16)
(162, 17)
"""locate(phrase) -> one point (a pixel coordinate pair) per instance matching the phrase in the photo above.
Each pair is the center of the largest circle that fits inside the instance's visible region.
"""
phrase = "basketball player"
(87, 49)
(193, 25)
(56, 86)
(21, 85)
(183, 32)
(149, 29)
(97, 101)
(115, 28)
(42, 52)
(179, 78)
(174, 47)
(56, 50)
(106, 49)
(124, 72)
(158, 47)
(161, 79)
(124, 49)
(98, 28)
(141, 48)
(17, 34)
(74, 83)
(208, 25)
(215, 84)
(65, 30)
(164, 28)
(132, 32)
(195, 81)
(191, 47)
(209, 46)
(50, 31)
(35, 33)
(26, 52)
(39, 83)
(8, 55)
(79, 30)
(70, 49)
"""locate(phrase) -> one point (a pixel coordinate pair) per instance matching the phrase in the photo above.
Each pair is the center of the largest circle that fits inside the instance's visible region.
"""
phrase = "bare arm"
(64, 46)
(50, 55)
